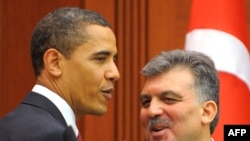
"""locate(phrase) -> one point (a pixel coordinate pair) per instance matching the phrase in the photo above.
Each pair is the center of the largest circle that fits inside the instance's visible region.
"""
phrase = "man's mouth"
(158, 128)
(107, 92)
(158, 124)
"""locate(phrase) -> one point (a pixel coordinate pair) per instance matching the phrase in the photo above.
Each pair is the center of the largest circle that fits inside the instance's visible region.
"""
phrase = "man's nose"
(155, 109)
(112, 73)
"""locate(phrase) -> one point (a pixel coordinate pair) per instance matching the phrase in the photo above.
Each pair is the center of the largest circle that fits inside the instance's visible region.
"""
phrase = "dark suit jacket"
(35, 119)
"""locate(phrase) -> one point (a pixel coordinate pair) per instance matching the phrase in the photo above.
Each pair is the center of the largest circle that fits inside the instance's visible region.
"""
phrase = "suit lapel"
(38, 100)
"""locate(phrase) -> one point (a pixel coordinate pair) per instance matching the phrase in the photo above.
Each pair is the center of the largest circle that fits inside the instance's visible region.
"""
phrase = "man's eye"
(115, 59)
(170, 100)
(100, 59)
(145, 103)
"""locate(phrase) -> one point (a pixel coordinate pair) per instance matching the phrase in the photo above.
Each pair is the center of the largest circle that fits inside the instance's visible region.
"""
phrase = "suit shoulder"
(29, 122)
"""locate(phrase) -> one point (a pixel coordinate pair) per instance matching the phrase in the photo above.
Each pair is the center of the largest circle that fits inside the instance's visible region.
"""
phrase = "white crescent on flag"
(228, 52)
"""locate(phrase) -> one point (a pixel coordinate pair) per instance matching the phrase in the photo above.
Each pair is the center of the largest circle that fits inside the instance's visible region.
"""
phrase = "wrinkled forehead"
(176, 80)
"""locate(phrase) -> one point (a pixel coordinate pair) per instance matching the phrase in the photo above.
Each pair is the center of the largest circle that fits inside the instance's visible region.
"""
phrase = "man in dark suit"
(73, 54)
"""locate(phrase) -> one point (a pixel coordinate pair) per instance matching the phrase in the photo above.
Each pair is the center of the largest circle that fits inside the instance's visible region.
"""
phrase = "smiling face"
(88, 76)
(169, 109)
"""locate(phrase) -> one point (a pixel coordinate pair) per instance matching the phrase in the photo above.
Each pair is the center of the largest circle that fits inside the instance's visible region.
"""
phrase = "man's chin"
(158, 136)
(100, 111)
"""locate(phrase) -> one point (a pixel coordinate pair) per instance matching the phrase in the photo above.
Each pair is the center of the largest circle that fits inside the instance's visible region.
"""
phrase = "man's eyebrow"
(106, 53)
(102, 53)
(170, 93)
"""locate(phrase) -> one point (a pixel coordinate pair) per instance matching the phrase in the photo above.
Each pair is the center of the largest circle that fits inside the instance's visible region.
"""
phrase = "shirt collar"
(60, 103)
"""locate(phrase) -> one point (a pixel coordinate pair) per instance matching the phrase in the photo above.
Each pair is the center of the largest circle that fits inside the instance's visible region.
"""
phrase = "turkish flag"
(218, 28)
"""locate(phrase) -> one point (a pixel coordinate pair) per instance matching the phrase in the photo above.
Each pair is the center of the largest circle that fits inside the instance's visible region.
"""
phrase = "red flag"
(218, 28)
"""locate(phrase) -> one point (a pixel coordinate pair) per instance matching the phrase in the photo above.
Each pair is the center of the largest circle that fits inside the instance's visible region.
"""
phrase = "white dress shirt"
(60, 103)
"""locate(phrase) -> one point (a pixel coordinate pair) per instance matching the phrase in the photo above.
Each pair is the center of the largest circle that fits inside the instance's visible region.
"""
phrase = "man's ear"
(52, 64)
(209, 111)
